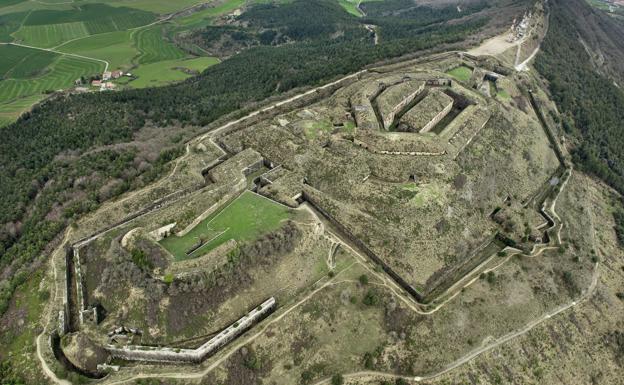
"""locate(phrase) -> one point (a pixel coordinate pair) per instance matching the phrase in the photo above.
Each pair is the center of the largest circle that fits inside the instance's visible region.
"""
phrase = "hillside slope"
(583, 60)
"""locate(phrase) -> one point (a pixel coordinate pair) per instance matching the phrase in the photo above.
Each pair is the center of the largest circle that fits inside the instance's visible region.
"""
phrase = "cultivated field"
(152, 48)
(134, 36)
(169, 71)
(60, 73)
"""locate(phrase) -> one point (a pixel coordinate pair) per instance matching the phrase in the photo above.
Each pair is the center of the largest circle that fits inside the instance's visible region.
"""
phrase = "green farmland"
(61, 73)
(246, 218)
(10, 111)
(21, 62)
(29, 73)
(165, 72)
(153, 48)
(351, 6)
(131, 35)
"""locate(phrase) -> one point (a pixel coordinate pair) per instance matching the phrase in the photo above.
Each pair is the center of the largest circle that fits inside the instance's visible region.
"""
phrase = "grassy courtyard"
(462, 73)
(246, 218)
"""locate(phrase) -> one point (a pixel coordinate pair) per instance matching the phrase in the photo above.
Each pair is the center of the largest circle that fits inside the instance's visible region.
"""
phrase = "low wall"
(80, 294)
(156, 354)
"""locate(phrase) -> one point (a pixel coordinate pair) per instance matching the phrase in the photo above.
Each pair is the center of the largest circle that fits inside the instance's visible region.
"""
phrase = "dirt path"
(40, 339)
(475, 353)
(493, 46)
(524, 65)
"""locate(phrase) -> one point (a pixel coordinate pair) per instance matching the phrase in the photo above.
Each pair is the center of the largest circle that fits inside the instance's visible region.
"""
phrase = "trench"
(344, 233)
(55, 342)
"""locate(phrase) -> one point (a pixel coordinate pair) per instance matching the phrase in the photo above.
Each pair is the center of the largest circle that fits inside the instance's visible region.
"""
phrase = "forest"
(51, 175)
(591, 104)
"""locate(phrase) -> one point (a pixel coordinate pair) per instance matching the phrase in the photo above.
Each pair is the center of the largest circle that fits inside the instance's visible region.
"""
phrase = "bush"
(140, 259)
(307, 376)
(363, 279)
(337, 379)
(369, 361)
(44, 295)
(168, 278)
(371, 298)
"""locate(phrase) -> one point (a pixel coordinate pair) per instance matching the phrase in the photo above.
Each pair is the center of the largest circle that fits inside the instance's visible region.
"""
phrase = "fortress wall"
(156, 354)
(389, 120)
(278, 108)
(551, 136)
(63, 321)
(352, 238)
(81, 298)
(437, 118)
(228, 196)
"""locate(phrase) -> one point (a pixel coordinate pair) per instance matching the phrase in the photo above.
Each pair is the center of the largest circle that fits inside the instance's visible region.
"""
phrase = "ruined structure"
(155, 354)
(429, 112)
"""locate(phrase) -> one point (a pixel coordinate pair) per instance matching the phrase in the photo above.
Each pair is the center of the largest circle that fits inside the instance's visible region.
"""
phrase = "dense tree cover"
(8, 376)
(50, 175)
(270, 24)
(592, 105)
(619, 225)
(403, 18)
(294, 21)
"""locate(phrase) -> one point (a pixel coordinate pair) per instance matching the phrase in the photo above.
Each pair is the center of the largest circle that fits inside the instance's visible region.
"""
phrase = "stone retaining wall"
(437, 118)
(352, 238)
(157, 354)
(399, 108)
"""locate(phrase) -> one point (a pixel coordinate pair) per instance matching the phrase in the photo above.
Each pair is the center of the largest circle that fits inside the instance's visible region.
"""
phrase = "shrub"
(140, 259)
(369, 361)
(371, 298)
(337, 379)
(44, 295)
(168, 278)
(363, 279)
